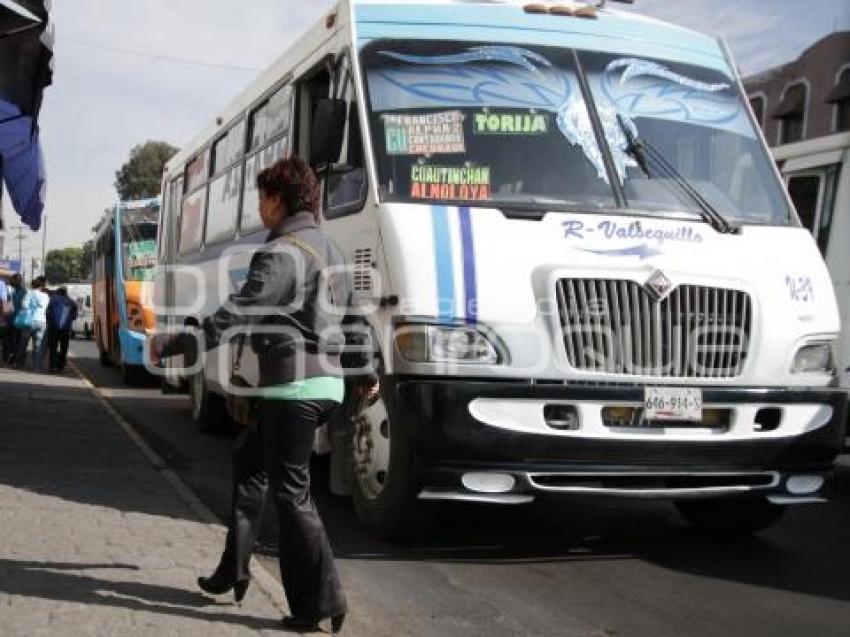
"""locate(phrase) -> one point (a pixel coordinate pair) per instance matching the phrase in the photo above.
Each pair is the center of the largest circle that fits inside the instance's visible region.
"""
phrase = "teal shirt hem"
(317, 388)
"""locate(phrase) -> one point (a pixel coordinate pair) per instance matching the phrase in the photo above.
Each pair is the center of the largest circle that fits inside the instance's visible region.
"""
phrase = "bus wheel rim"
(372, 449)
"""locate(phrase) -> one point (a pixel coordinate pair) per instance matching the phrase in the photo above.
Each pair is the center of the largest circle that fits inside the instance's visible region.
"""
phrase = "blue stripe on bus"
(443, 263)
(470, 283)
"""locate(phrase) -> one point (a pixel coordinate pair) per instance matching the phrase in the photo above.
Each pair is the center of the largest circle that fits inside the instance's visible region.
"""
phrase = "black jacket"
(292, 304)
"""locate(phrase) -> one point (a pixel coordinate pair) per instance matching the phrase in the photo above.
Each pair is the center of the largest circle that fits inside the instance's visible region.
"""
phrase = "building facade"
(807, 98)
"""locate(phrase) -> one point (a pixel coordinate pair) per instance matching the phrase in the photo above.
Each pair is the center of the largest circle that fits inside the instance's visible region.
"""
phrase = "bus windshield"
(466, 123)
(138, 243)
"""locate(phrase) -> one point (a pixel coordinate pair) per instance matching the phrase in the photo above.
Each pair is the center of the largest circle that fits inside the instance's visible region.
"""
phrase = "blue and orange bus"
(124, 263)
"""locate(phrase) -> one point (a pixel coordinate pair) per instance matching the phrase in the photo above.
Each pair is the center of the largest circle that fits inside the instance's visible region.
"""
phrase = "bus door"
(344, 178)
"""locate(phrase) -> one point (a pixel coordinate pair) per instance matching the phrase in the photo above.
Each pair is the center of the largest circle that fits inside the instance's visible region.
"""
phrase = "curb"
(265, 581)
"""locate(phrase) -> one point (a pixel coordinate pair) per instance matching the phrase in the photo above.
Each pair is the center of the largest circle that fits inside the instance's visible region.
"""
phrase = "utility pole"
(20, 237)
(43, 248)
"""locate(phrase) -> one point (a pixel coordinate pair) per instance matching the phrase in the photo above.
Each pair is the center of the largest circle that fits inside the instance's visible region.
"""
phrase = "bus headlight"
(813, 358)
(446, 344)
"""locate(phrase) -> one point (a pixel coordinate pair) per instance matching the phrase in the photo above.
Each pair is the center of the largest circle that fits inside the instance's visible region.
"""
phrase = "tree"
(64, 265)
(141, 176)
(86, 260)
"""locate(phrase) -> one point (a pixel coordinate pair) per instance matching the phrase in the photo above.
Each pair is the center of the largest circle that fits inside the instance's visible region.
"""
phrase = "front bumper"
(459, 428)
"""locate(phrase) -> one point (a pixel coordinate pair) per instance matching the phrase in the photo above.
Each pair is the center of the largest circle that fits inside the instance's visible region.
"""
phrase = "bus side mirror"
(328, 132)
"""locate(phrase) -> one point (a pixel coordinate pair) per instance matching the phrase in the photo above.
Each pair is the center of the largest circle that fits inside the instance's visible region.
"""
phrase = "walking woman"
(301, 384)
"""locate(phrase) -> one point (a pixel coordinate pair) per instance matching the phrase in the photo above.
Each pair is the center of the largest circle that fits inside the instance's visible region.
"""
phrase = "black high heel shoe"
(296, 625)
(336, 623)
(216, 585)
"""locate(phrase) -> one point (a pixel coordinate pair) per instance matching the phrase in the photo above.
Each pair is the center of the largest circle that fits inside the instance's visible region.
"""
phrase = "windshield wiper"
(642, 151)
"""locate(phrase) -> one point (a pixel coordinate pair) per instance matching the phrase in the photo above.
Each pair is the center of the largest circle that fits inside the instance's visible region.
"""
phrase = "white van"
(817, 174)
(569, 238)
(81, 295)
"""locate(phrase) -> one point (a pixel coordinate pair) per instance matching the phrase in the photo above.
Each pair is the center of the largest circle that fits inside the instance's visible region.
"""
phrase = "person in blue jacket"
(61, 314)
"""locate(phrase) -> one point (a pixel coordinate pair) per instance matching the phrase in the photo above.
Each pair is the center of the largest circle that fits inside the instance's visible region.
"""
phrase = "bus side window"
(174, 217)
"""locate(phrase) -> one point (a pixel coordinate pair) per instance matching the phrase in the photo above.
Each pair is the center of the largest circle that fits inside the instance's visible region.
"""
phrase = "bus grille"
(619, 327)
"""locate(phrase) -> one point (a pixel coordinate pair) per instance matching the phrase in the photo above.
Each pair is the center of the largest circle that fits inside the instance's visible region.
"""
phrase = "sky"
(135, 70)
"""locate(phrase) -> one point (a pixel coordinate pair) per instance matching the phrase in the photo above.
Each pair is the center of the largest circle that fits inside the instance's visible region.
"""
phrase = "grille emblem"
(658, 285)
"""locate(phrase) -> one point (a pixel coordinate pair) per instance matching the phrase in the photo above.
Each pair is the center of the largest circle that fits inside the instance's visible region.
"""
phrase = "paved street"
(578, 568)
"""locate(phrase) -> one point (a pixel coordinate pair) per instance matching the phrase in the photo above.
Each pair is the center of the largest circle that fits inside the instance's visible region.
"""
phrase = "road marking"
(265, 581)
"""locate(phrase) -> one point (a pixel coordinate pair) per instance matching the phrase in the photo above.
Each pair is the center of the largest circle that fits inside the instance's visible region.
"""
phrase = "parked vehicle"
(124, 264)
(577, 257)
(81, 293)
(817, 174)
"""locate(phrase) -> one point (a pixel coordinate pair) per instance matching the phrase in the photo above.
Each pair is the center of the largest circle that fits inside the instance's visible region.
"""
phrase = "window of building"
(757, 103)
(791, 113)
(840, 97)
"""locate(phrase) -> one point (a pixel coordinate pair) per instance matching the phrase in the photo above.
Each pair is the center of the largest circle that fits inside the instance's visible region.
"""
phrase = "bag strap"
(309, 249)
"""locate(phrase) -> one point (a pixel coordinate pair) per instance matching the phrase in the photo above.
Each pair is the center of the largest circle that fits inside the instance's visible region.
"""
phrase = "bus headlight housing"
(446, 344)
(814, 358)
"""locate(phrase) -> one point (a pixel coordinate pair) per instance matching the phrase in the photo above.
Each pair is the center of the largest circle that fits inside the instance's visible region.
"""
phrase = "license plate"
(672, 403)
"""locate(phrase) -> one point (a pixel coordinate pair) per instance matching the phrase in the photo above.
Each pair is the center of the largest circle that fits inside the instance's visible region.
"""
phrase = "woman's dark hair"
(295, 182)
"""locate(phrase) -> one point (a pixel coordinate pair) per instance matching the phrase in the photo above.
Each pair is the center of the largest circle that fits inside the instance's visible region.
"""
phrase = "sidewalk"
(94, 540)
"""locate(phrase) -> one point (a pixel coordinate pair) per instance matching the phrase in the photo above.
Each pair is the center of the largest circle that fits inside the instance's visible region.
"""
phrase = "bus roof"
(505, 21)
(611, 31)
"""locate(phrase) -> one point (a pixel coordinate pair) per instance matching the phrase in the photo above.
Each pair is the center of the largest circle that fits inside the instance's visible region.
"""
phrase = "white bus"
(584, 273)
(817, 174)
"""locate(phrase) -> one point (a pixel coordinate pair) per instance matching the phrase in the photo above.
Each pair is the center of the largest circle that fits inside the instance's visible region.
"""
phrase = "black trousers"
(57, 345)
(274, 456)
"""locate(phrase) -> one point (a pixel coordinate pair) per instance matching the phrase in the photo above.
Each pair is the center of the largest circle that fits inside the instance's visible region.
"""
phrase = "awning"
(22, 164)
(26, 68)
(14, 18)
(793, 103)
(841, 92)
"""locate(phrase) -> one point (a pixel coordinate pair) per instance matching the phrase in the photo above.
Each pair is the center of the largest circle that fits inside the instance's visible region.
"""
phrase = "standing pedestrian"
(61, 314)
(300, 384)
(5, 317)
(36, 308)
(18, 299)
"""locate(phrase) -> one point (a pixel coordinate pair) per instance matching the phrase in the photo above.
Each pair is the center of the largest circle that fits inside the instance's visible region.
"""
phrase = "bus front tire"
(384, 482)
(731, 516)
